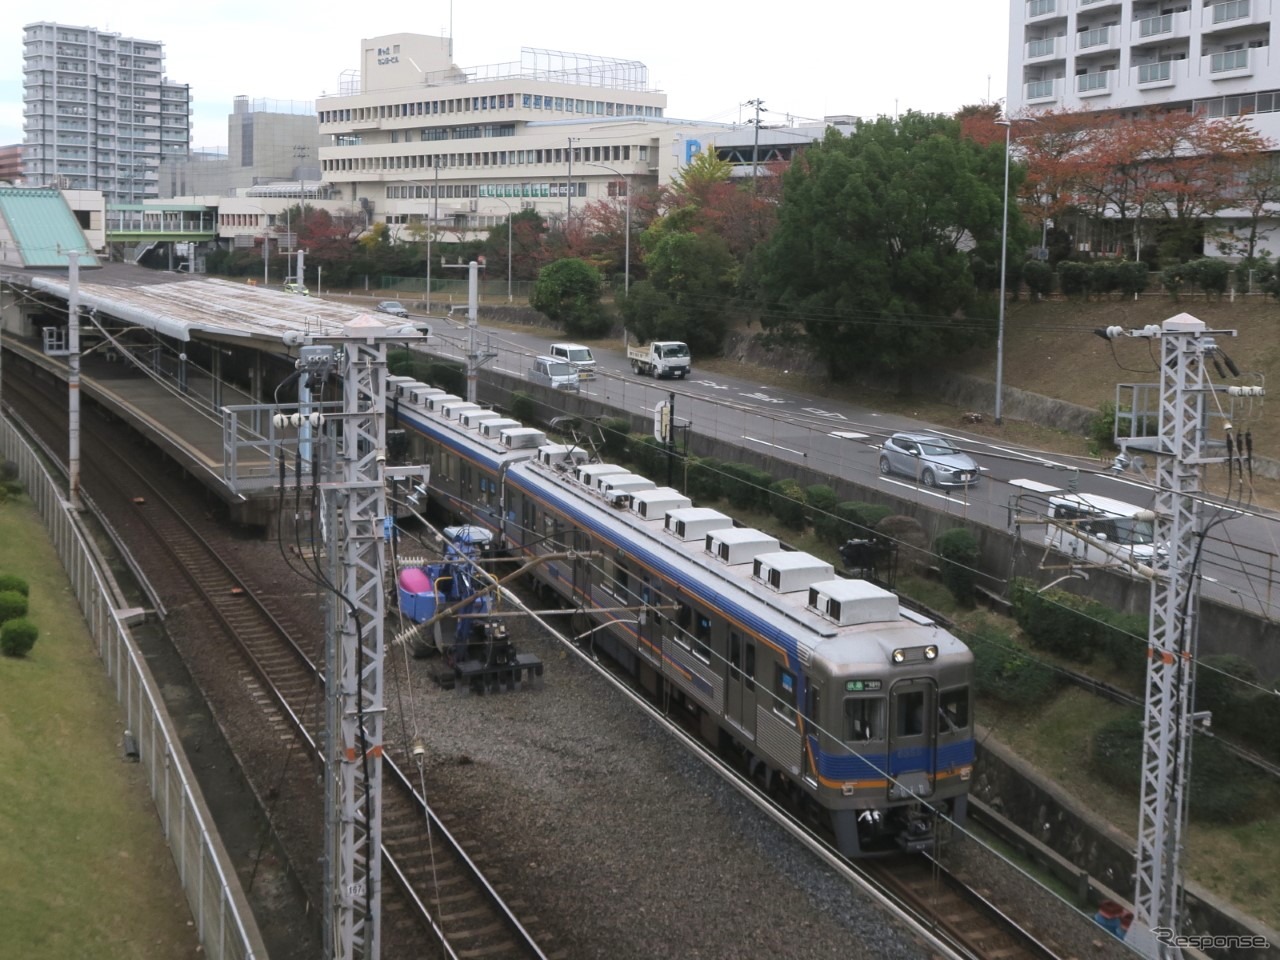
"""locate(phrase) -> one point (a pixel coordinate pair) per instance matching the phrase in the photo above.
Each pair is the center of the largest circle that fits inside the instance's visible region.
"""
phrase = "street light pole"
(508, 206)
(1004, 258)
(626, 256)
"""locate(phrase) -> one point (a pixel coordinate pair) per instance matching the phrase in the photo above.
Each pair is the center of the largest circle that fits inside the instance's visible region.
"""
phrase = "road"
(1239, 565)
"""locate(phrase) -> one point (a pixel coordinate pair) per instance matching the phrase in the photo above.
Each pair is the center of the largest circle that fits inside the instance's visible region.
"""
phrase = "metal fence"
(456, 291)
(224, 924)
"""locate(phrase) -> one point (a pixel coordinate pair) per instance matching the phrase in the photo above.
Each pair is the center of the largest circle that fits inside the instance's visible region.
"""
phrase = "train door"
(740, 686)
(912, 737)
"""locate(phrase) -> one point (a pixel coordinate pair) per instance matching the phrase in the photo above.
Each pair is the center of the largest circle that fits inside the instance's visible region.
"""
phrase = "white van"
(578, 355)
(557, 374)
(1100, 530)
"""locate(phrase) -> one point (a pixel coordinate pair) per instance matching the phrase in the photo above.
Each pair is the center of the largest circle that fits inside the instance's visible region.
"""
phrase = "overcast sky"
(856, 57)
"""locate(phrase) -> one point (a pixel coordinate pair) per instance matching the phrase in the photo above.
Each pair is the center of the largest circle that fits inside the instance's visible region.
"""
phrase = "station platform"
(186, 424)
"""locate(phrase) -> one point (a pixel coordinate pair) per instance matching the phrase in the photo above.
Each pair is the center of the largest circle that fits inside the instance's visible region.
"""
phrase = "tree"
(528, 252)
(568, 292)
(1258, 193)
(869, 259)
(692, 277)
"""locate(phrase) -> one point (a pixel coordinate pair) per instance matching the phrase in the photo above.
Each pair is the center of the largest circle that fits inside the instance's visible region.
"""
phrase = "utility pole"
(755, 146)
(1169, 722)
(475, 359)
(569, 211)
(73, 378)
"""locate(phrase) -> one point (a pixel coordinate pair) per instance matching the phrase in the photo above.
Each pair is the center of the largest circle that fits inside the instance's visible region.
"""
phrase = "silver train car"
(826, 688)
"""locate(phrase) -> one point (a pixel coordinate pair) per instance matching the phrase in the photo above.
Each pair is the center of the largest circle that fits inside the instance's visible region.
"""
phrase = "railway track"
(960, 923)
(440, 894)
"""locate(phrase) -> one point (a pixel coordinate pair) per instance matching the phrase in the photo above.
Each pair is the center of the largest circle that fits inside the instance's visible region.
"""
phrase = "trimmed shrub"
(1039, 278)
(11, 581)
(1132, 278)
(1173, 278)
(1211, 276)
(786, 502)
(614, 431)
(821, 498)
(12, 605)
(1003, 672)
(744, 486)
(1102, 427)
(1073, 278)
(958, 550)
(1224, 789)
(702, 479)
(1219, 690)
(913, 543)
(1102, 278)
(649, 456)
(17, 637)
(522, 407)
(1254, 274)
(1076, 628)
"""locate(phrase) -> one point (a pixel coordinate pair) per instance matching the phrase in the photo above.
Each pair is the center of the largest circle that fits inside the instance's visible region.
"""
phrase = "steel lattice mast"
(1171, 651)
(356, 504)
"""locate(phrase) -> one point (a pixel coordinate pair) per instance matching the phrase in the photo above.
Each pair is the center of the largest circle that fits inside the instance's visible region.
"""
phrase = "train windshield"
(863, 719)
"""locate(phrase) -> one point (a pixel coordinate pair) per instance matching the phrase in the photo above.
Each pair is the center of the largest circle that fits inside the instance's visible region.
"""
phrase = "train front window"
(953, 710)
(863, 719)
(910, 710)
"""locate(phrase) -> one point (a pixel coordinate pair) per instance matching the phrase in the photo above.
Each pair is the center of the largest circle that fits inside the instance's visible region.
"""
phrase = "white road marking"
(830, 414)
(775, 445)
(764, 397)
(918, 489)
(849, 435)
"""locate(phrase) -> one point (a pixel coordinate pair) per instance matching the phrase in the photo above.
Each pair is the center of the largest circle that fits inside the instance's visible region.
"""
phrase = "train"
(827, 690)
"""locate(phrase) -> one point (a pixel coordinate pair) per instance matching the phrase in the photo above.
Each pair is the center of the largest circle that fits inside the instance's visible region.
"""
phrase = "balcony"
(1095, 84)
(1043, 91)
(1050, 48)
(1228, 64)
(1233, 14)
(1041, 9)
(1097, 40)
(1170, 26)
(1154, 76)
(1093, 5)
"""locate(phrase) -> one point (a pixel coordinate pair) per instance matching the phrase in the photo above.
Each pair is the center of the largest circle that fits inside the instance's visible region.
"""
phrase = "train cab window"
(953, 710)
(863, 719)
(784, 691)
(910, 710)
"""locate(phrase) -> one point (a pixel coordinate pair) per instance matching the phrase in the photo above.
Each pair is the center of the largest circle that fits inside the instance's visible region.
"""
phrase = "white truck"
(661, 358)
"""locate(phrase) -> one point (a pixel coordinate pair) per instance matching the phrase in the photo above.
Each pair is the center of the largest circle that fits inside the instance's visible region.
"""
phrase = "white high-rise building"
(1080, 55)
(99, 112)
(415, 138)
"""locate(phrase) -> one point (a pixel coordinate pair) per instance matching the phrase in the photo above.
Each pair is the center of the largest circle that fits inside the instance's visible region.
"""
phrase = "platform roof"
(187, 308)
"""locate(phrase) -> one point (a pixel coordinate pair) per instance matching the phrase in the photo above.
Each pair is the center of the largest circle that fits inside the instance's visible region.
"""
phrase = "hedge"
(786, 503)
(1003, 672)
(17, 637)
(10, 581)
(957, 551)
(12, 605)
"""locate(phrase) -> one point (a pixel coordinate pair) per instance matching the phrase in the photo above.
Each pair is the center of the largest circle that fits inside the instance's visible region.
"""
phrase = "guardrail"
(224, 923)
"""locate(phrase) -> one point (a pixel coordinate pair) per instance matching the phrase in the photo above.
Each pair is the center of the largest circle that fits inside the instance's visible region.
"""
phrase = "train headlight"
(931, 652)
(899, 656)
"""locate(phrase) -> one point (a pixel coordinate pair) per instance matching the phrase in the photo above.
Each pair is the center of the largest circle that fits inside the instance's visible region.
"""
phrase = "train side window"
(953, 710)
(863, 719)
(684, 616)
(784, 690)
(646, 592)
(910, 708)
(622, 579)
(735, 655)
(701, 639)
(749, 665)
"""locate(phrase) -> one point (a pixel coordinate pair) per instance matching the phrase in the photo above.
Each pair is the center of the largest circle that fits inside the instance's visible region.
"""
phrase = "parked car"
(933, 461)
(393, 307)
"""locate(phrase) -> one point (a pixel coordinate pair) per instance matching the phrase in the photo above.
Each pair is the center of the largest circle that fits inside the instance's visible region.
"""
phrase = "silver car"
(933, 461)
(393, 307)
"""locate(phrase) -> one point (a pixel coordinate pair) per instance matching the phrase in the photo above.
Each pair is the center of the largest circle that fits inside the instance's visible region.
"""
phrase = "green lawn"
(84, 869)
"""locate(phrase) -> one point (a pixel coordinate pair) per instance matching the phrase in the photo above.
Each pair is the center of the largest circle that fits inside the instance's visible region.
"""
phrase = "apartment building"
(414, 138)
(1127, 54)
(99, 112)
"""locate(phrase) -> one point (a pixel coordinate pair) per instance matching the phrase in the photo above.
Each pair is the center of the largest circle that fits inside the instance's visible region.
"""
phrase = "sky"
(856, 57)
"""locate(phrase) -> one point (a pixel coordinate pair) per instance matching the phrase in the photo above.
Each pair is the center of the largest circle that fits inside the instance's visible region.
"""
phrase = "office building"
(270, 142)
(99, 112)
(414, 138)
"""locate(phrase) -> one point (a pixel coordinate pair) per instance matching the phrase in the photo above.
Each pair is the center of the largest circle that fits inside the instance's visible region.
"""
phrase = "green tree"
(568, 292)
(870, 259)
(692, 277)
